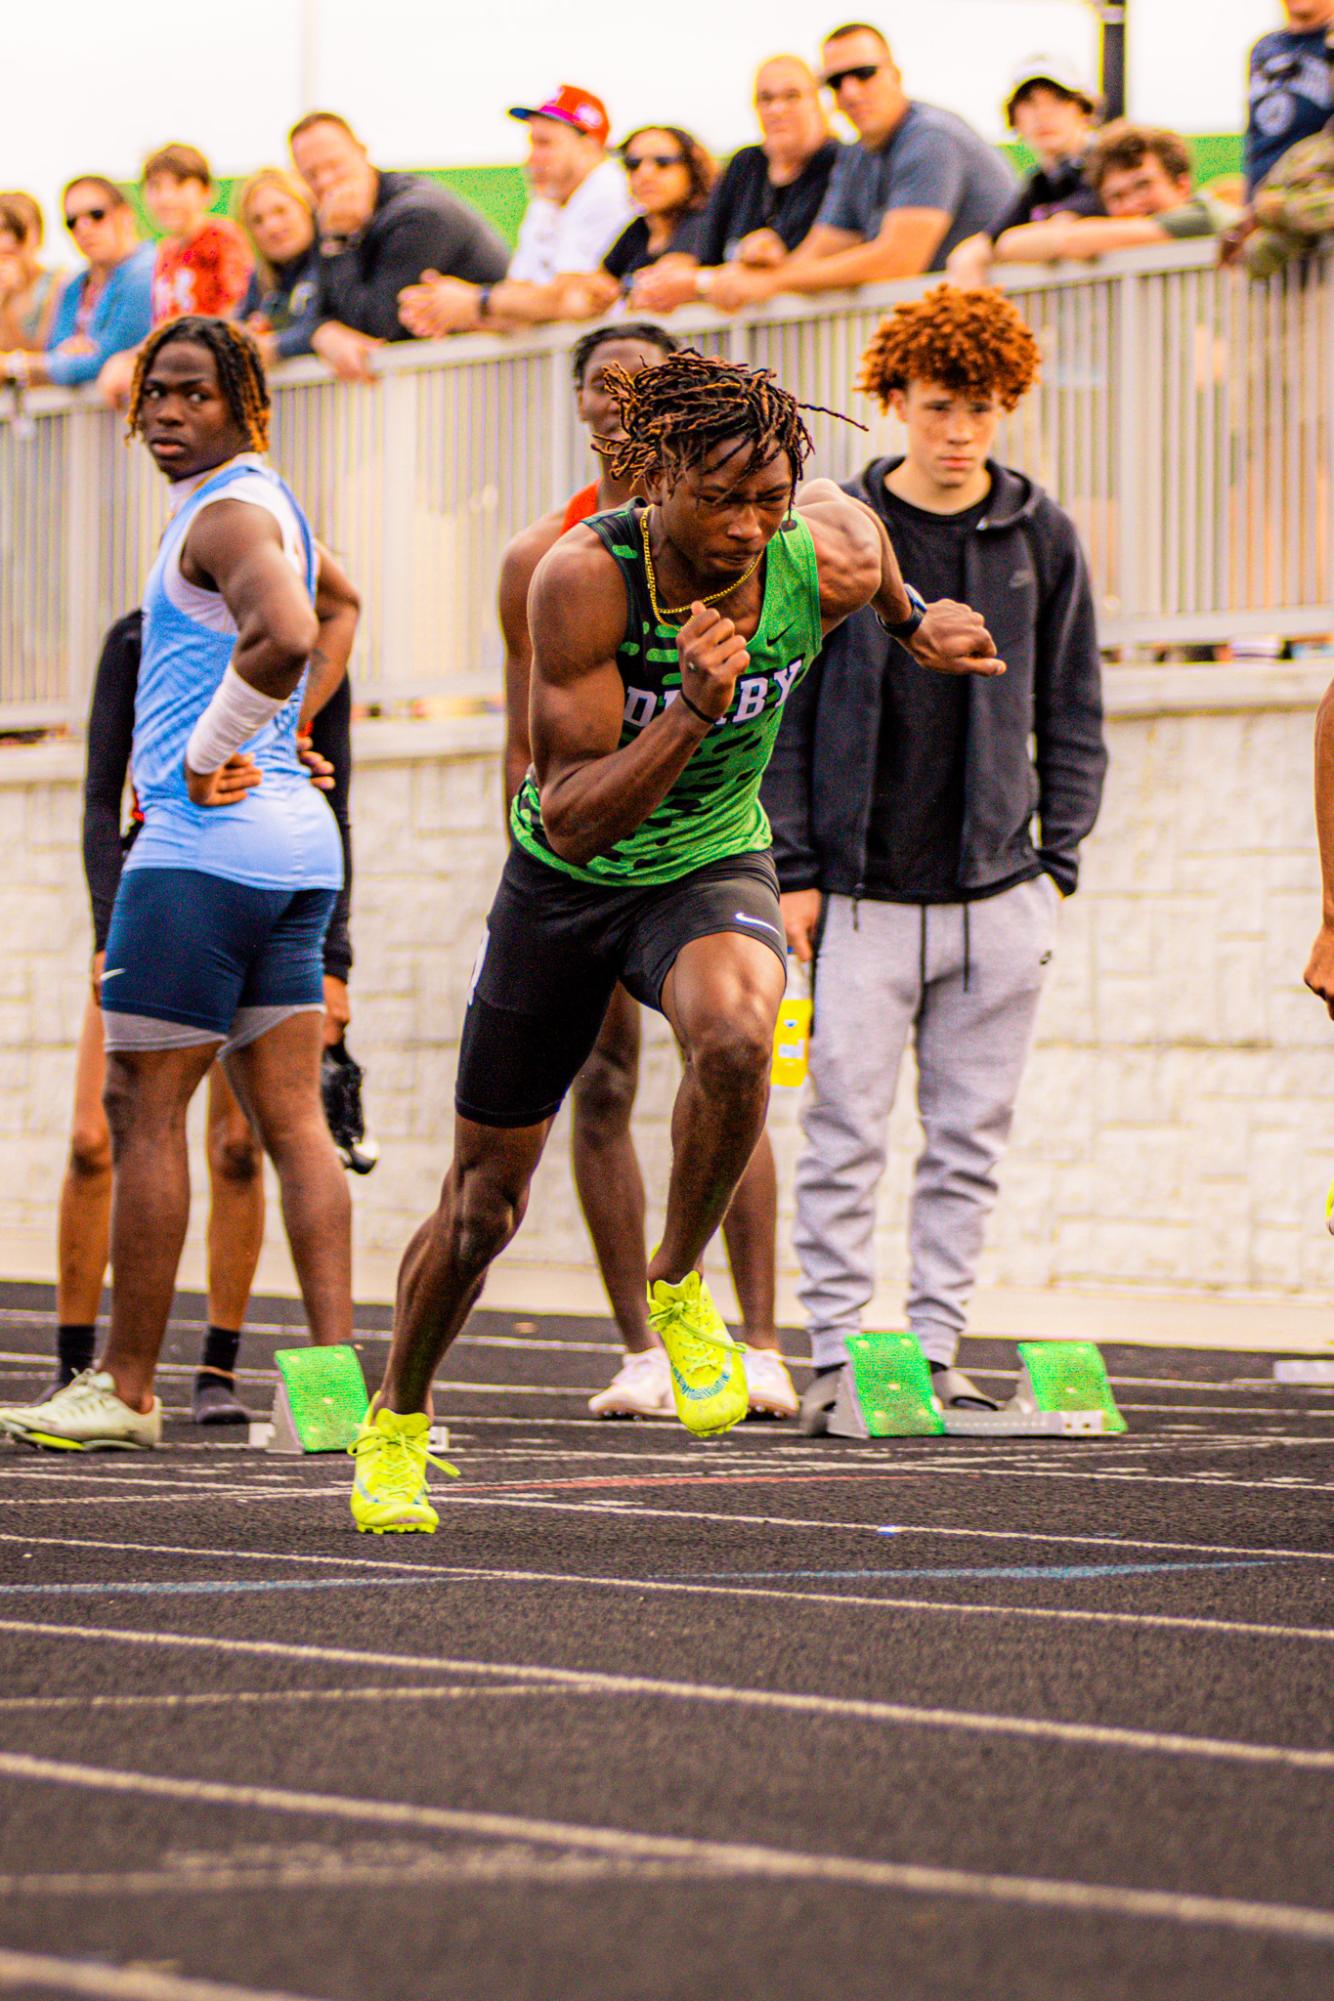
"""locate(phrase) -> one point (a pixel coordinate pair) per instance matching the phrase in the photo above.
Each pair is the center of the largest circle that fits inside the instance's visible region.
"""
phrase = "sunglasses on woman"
(634, 161)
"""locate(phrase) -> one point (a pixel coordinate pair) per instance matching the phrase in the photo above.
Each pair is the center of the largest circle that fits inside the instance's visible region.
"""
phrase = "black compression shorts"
(552, 952)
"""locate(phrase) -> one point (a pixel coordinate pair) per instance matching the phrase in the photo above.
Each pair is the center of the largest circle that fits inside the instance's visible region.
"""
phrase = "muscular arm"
(1077, 237)
(594, 794)
(517, 566)
(337, 609)
(236, 549)
(858, 567)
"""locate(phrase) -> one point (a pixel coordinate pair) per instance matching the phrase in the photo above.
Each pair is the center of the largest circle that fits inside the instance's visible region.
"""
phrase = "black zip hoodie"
(1034, 738)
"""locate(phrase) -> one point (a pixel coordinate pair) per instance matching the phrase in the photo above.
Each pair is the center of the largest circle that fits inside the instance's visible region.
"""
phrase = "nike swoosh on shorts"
(741, 918)
(114, 974)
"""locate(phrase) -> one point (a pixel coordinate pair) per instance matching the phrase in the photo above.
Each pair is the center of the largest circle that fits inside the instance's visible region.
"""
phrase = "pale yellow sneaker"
(770, 1386)
(389, 1494)
(85, 1416)
(708, 1366)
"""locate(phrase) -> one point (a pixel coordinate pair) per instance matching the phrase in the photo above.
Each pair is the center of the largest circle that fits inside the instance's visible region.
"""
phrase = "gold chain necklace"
(661, 611)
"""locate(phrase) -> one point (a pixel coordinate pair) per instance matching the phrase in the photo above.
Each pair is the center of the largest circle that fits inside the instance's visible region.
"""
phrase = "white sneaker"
(86, 1416)
(769, 1384)
(641, 1387)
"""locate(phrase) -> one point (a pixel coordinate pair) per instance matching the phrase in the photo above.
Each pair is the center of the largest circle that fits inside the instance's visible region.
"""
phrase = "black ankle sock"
(74, 1347)
(219, 1352)
(828, 1369)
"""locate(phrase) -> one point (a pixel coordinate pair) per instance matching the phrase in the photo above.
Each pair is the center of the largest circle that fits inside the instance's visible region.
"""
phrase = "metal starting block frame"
(885, 1392)
(321, 1403)
(1309, 1374)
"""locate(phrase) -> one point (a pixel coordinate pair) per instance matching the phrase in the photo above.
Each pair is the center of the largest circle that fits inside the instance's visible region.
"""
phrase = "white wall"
(92, 87)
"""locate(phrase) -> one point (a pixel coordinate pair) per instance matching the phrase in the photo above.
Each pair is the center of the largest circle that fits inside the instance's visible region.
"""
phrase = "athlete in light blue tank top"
(282, 834)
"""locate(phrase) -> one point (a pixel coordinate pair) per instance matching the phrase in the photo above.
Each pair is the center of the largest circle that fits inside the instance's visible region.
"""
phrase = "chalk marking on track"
(121, 1983)
(734, 1858)
(524, 1678)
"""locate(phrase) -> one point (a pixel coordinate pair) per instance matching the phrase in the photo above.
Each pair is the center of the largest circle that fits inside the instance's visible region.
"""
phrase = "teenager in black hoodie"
(926, 834)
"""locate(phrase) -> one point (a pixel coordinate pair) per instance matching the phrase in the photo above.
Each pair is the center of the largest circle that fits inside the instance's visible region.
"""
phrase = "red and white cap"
(571, 106)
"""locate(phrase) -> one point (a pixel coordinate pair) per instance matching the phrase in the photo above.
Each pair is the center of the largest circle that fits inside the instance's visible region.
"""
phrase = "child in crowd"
(203, 261)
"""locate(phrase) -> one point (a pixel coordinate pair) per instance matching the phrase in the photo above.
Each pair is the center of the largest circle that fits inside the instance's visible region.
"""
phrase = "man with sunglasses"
(917, 182)
(107, 307)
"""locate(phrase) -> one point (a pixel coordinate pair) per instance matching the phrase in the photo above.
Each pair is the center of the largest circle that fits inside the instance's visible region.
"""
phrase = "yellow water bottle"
(792, 1036)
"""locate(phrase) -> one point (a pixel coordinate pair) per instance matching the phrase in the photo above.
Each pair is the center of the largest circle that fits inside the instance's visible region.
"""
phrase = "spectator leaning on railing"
(1053, 112)
(28, 290)
(767, 199)
(378, 234)
(1293, 207)
(281, 306)
(670, 174)
(1142, 174)
(1289, 92)
(917, 182)
(107, 307)
(578, 205)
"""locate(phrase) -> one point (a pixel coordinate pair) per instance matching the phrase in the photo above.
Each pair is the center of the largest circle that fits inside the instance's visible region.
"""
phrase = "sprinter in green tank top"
(666, 640)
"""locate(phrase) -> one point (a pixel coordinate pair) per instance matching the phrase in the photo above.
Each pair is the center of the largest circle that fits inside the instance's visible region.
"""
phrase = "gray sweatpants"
(966, 979)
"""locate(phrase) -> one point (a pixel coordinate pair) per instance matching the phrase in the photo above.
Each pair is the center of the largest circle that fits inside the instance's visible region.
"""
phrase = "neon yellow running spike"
(708, 1366)
(1329, 1210)
(389, 1493)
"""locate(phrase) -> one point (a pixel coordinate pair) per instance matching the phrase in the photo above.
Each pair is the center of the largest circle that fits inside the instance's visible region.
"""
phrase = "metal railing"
(1185, 417)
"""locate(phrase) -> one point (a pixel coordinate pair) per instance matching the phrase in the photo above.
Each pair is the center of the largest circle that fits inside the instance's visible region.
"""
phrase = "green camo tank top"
(713, 810)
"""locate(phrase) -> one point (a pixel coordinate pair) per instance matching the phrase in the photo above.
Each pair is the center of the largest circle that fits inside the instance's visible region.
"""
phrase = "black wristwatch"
(904, 631)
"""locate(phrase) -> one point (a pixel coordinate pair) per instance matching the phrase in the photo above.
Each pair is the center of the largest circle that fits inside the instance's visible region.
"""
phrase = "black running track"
(655, 1720)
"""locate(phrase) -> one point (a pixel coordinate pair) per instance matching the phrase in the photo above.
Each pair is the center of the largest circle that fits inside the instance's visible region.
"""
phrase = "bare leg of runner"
(85, 1195)
(482, 1204)
(148, 1094)
(750, 1230)
(722, 998)
(277, 1080)
(236, 1213)
(606, 1167)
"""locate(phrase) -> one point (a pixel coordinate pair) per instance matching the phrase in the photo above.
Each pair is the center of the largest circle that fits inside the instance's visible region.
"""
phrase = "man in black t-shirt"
(767, 198)
(923, 848)
(1053, 113)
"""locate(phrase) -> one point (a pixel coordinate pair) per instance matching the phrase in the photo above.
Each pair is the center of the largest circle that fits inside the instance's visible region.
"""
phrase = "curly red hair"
(975, 343)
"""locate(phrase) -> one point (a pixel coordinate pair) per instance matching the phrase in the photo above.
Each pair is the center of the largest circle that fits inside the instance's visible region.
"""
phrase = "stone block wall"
(1176, 1127)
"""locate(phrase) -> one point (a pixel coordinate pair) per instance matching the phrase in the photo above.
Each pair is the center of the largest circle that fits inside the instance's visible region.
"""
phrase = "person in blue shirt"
(918, 182)
(1289, 93)
(107, 307)
(215, 944)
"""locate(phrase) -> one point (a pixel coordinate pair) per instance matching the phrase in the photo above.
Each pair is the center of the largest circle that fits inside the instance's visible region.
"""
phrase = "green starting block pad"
(885, 1391)
(1312, 1375)
(321, 1403)
(1062, 1391)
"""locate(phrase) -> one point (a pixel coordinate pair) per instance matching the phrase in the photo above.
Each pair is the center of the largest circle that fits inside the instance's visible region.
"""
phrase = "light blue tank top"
(282, 835)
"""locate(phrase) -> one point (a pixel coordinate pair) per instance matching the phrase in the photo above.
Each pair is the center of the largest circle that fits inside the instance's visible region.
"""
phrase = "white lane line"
(730, 1857)
(120, 1983)
(810, 1522)
(253, 1697)
(519, 1677)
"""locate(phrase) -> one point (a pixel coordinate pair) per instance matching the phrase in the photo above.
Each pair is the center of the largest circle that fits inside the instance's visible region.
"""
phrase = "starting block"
(885, 1392)
(1312, 1375)
(321, 1403)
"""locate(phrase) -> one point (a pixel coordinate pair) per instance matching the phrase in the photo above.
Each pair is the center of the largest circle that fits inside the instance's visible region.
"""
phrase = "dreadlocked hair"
(673, 415)
(973, 343)
(240, 373)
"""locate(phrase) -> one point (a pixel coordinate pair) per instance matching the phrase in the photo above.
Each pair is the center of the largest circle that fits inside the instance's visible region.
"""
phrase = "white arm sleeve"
(234, 715)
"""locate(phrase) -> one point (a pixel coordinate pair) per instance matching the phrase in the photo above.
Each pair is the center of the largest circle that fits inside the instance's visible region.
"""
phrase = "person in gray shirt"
(918, 181)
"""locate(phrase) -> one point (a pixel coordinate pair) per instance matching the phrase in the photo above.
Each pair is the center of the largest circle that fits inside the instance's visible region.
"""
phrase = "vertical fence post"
(1134, 481)
(83, 557)
(398, 507)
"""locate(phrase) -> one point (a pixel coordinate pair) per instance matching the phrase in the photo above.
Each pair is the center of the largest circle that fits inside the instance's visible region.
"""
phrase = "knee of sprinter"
(120, 1098)
(604, 1096)
(234, 1157)
(732, 1055)
(486, 1210)
(90, 1150)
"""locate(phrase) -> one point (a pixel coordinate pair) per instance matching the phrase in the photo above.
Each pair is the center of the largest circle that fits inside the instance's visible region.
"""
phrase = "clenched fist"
(953, 639)
(711, 655)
